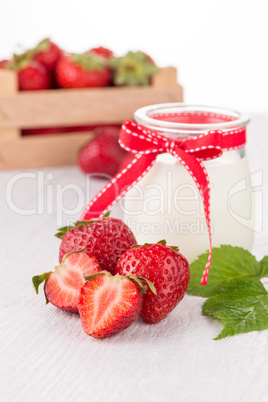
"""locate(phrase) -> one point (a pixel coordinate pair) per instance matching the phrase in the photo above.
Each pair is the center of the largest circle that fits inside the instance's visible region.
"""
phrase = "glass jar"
(166, 204)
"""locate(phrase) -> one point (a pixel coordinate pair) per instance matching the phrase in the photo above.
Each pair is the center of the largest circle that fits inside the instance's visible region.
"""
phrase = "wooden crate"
(68, 108)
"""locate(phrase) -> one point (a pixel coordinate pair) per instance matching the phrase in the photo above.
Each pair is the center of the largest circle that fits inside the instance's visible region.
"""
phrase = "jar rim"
(142, 116)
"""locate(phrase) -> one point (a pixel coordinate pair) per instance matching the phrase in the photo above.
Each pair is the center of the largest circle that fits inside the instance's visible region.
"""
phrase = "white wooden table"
(46, 356)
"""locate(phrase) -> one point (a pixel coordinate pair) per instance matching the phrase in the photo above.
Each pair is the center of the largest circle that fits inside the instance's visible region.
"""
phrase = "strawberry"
(103, 154)
(4, 64)
(135, 68)
(62, 287)
(102, 51)
(82, 71)
(33, 76)
(105, 238)
(109, 304)
(47, 53)
(166, 268)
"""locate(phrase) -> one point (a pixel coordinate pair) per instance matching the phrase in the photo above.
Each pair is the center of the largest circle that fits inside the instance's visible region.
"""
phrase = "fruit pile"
(110, 280)
(47, 66)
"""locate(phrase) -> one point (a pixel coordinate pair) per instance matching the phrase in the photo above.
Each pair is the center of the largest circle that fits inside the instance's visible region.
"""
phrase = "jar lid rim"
(142, 116)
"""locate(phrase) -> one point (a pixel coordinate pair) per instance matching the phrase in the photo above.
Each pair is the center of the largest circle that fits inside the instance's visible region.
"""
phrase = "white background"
(220, 47)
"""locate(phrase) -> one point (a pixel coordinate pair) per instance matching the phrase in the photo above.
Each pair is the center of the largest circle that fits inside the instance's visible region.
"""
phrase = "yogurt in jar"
(166, 204)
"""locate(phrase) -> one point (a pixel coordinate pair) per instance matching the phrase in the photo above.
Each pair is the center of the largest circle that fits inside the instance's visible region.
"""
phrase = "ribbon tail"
(199, 174)
(118, 186)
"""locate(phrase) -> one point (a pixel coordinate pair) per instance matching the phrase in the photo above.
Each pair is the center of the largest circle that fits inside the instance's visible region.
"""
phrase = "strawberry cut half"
(62, 287)
(109, 304)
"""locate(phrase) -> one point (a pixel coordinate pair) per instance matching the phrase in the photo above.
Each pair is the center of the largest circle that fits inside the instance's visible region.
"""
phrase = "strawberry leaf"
(241, 304)
(62, 231)
(228, 263)
(264, 267)
(71, 252)
(38, 279)
(92, 276)
(150, 284)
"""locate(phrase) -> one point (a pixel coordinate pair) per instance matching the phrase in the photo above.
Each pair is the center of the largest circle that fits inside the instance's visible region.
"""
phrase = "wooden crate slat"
(42, 150)
(79, 107)
(8, 86)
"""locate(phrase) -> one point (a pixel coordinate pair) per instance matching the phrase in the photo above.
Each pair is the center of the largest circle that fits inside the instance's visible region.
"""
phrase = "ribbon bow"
(145, 146)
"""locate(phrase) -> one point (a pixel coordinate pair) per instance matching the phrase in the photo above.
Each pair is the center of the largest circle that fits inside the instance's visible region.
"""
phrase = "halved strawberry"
(109, 304)
(62, 287)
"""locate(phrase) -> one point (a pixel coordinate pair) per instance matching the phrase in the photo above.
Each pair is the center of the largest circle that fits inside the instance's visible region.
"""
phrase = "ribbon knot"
(145, 145)
(134, 138)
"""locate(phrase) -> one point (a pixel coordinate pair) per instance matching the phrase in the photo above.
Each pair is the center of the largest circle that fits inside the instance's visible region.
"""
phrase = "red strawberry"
(166, 268)
(109, 304)
(47, 53)
(4, 64)
(103, 154)
(102, 51)
(82, 71)
(62, 287)
(105, 238)
(33, 76)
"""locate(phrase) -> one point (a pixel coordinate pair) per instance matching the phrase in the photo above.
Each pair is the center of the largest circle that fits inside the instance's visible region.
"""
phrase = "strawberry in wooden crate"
(135, 68)
(102, 51)
(84, 70)
(31, 74)
(47, 53)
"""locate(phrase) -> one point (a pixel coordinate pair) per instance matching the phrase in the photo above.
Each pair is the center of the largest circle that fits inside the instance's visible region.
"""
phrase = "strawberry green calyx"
(38, 279)
(65, 229)
(175, 248)
(138, 281)
(88, 278)
(71, 252)
(42, 46)
(135, 68)
(62, 231)
(20, 61)
(133, 278)
(88, 61)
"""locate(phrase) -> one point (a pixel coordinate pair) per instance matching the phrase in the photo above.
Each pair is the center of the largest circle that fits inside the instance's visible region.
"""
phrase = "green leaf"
(228, 263)
(264, 267)
(241, 304)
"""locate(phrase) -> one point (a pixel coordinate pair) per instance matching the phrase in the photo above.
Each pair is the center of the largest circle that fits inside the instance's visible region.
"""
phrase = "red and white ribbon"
(145, 146)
